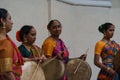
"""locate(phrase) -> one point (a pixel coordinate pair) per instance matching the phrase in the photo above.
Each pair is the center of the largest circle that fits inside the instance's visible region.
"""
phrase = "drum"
(53, 69)
(116, 62)
(32, 71)
(77, 69)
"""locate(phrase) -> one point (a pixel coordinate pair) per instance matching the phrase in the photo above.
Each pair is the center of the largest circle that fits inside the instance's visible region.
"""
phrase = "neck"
(106, 39)
(2, 33)
(27, 45)
(55, 37)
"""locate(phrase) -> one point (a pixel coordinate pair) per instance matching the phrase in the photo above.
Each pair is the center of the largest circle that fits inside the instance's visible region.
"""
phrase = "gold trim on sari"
(5, 65)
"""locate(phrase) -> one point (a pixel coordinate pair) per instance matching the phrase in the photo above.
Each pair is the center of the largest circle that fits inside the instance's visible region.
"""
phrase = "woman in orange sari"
(10, 57)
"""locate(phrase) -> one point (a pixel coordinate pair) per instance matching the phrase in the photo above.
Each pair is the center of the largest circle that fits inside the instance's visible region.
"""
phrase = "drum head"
(53, 69)
(116, 62)
(28, 70)
(77, 69)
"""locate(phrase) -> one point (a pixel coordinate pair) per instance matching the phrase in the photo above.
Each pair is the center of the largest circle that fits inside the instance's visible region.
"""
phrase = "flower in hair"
(18, 36)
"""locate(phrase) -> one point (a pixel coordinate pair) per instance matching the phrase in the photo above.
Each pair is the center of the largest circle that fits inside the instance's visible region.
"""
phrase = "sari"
(52, 47)
(108, 53)
(13, 58)
(33, 53)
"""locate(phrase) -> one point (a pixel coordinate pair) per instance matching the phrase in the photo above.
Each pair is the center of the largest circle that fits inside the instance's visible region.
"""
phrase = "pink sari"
(17, 60)
(60, 47)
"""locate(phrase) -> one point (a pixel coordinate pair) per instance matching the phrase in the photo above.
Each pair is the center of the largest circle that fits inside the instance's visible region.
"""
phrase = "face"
(9, 23)
(110, 32)
(31, 37)
(55, 29)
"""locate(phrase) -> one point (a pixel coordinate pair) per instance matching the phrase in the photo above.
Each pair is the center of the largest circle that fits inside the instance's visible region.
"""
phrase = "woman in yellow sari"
(10, 57)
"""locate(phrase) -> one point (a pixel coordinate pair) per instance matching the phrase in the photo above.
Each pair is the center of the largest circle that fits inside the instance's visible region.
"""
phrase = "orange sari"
(17, 60)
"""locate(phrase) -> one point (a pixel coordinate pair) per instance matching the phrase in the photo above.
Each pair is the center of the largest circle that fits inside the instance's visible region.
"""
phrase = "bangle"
(108, 68)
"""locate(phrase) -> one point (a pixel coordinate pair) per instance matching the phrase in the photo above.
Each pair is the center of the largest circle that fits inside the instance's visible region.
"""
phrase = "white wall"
(80, 23)
(29, 12)
(80, 28)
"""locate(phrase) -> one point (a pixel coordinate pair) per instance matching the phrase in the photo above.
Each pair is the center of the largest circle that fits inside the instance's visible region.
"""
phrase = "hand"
(83, 57)
(37, 59)
(111, 71)
(10, 75)
(43, 57)
(59, 56)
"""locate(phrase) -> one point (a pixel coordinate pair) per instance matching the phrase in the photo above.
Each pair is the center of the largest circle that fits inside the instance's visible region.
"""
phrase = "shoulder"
(100, 44)
(21, 46)
(114, 42)
(49, 40)
(5, 43)
(36, 46)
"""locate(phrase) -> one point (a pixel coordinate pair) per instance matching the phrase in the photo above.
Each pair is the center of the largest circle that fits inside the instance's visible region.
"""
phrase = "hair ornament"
(18, 36)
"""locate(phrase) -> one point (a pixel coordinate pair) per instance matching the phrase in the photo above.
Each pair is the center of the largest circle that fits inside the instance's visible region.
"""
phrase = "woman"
(10, 58)
(27, 35)
(54, 46)
(31, 53)
(106, 49)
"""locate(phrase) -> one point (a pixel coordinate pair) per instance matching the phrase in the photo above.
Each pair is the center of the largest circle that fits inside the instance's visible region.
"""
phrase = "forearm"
(101, 66)
(8, 76)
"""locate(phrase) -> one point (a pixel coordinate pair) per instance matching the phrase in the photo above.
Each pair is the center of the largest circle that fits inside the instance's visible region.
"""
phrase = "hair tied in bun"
(101, 28)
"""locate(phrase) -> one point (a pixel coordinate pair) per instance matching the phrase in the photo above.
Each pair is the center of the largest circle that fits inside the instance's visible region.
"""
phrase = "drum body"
(53, 69)
(29, 71)
(116, 62)
(77, 69)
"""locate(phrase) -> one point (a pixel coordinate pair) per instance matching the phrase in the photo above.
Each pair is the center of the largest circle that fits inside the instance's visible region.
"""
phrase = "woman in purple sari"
(54, 46)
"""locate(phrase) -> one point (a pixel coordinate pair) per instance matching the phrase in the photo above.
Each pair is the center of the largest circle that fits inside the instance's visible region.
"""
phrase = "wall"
(80, 23)
(80, 28)
(29, 12)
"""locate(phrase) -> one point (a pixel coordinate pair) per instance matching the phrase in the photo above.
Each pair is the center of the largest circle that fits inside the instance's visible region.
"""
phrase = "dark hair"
(104, 27)
(24, 31)
(51, 23)
(3, 14)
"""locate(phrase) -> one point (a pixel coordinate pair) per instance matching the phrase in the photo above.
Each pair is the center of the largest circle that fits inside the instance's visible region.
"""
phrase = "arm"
(48, 47)
(100, 65)
(7, 76)
(98, 50)
(11, 75)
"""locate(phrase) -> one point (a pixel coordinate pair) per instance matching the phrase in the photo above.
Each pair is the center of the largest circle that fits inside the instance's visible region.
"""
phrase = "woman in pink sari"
(10, 58)
(54, 46)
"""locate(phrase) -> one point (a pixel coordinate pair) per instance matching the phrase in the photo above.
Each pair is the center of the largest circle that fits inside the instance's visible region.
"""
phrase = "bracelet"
(108, 68)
